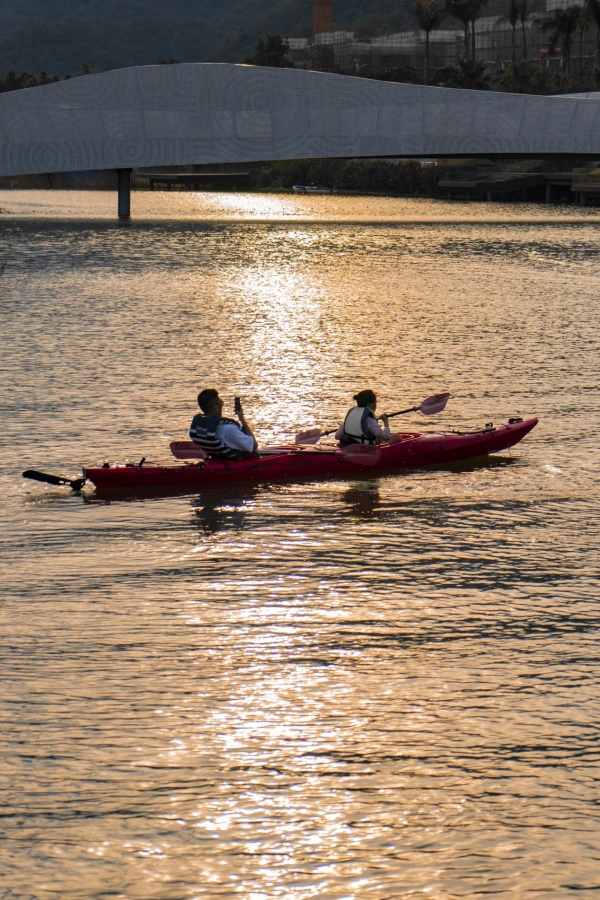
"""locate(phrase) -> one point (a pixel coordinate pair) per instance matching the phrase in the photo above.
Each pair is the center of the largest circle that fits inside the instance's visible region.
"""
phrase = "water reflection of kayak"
(297, 463)
(312, 189)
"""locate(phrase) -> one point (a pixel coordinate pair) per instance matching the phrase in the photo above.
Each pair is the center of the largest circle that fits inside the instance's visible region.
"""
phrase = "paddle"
(361, 454)
(187, 450)
(429, 407)
(434, 404)
(75, 483)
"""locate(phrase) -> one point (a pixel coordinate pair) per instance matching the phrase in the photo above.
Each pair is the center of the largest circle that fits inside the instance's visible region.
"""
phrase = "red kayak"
(297, 463)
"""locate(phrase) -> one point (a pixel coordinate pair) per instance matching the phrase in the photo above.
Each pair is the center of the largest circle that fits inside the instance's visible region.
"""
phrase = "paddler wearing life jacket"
(360, 425)
(220, 437)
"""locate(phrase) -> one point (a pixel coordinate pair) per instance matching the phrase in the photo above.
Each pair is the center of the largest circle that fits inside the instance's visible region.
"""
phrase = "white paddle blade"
(434, 404)
(361, 454)
(308, 437)
(187, 450)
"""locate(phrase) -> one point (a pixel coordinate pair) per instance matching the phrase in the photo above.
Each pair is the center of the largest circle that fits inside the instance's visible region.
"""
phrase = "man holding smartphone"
(220, 437)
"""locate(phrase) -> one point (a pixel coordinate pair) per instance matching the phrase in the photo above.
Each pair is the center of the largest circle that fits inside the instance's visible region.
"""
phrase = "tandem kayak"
(302, 462)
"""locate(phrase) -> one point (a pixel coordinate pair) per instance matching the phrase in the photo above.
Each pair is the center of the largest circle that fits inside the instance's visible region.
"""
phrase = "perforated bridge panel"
(208, 113)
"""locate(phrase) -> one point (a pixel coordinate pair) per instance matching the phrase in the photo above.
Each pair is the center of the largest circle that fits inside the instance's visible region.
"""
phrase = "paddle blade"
(308, 437)
(42, 476)
(434, 404)
(187, 450)
(75, 483)
(361, 454)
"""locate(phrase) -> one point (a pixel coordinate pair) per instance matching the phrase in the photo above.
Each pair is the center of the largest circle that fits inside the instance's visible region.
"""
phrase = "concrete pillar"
(124, 203)
(582, 199)
(490, 196)
(548, 192)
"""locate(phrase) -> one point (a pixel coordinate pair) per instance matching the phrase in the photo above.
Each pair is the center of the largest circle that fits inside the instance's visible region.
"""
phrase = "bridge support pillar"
(124, 188)
(548, 192)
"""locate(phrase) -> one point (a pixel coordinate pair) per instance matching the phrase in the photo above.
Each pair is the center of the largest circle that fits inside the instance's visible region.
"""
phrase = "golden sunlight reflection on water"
(215, 206)
(373, 688)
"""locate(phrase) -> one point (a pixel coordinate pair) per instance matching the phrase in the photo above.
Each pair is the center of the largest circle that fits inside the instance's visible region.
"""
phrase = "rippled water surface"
(375, 688)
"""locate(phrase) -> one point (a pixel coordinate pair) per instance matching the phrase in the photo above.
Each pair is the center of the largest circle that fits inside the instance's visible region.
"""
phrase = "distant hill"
(57, 36)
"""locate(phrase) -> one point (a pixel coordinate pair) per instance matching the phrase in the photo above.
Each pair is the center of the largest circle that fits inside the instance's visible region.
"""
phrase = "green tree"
(527, 77)
(401, 74)
(468, 73)
(562, 25)
(272, 52)
(428, 14)
(323, 58)
(516, 79)
(14, 82)
(559, 83)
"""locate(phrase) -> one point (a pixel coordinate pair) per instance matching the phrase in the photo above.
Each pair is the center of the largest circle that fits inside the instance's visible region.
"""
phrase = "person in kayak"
(220, 437)
(360, 425)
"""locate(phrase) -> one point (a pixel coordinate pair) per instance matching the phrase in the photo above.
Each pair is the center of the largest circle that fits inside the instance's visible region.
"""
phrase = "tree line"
(406, 178)
(16, 81)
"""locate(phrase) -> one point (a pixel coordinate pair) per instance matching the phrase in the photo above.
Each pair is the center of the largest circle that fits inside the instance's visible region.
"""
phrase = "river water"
(379, 688)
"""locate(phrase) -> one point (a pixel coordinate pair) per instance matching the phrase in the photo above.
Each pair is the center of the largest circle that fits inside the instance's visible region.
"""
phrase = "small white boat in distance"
(312, 189)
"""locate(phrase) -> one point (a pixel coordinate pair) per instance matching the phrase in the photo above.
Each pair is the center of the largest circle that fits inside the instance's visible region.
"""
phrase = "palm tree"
(562, 25)
(461, 10)
(592, 8)
(477, 6)
(526, 8)
(584, 25)
(469, 73)
(466, 11)
(513, 18)
(428, 14)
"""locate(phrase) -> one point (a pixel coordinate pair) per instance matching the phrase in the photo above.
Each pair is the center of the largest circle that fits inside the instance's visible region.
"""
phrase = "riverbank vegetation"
(395, 178)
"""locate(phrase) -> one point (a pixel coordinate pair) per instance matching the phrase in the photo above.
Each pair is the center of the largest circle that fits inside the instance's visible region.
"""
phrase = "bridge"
(193, 113)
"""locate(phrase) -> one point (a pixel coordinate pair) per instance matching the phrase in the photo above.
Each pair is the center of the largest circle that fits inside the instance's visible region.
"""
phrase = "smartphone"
(237, 405)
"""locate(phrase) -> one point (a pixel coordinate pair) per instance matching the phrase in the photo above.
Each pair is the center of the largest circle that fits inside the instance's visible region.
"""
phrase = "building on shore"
(497, 42)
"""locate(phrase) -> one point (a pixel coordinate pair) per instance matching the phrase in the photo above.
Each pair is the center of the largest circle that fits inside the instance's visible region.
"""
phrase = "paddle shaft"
(402, 412)
(391, 416)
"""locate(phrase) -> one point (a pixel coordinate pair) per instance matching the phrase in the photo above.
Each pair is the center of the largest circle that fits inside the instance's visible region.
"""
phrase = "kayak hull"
(299, 463)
